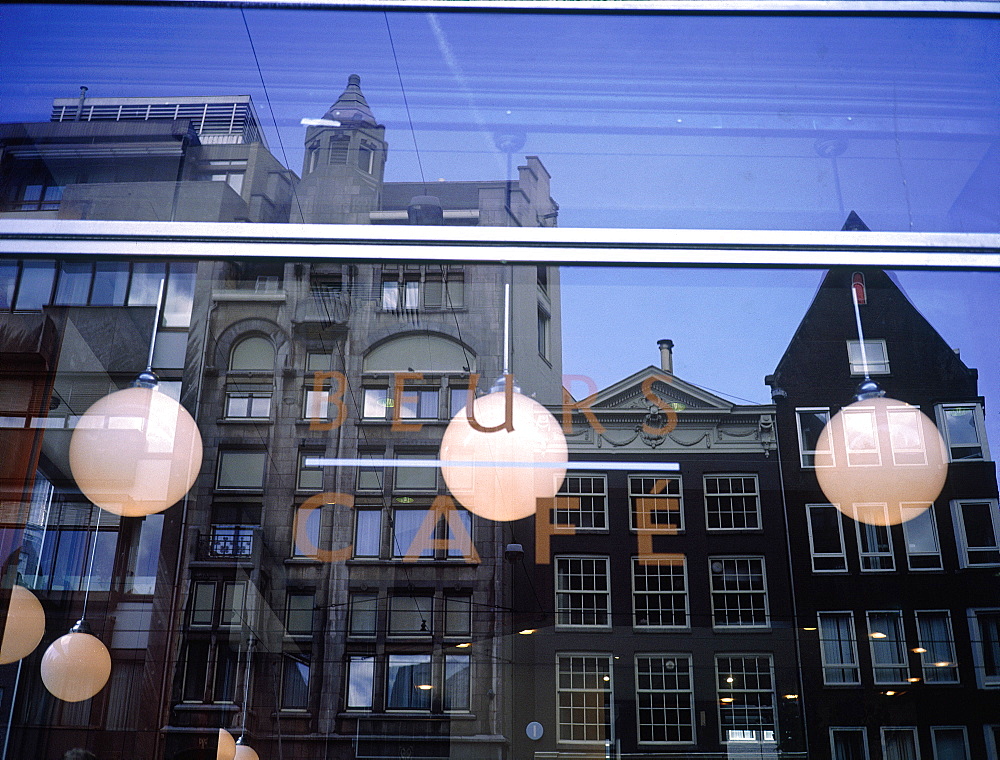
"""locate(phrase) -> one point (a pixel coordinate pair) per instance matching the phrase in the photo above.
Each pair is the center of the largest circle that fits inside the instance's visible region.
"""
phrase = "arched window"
(420, 352)
(253, 354)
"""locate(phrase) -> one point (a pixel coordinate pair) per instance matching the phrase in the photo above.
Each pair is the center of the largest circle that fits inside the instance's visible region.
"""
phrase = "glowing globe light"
(881, 461)
(76, 666)
(135, 452)
(500, 474)
(227, 746)
(25, 625)
(243, 752)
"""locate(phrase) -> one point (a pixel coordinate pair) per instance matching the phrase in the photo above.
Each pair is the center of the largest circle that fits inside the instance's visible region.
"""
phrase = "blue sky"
(643, 121)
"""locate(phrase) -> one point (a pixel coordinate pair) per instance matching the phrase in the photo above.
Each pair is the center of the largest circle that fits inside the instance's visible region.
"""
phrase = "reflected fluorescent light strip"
(319, 123)
(571, 465)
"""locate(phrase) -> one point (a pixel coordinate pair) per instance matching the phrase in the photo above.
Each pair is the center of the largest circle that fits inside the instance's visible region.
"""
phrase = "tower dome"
(351, 106)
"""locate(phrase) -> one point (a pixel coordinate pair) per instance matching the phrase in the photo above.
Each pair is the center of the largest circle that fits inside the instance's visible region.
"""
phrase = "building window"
(416, 287)
(299, 613)
(253, 354)
(377, 404)
(211, 668)
(923, 551)
(848, 743)
(366, 159)
(419, 404)
(583, 591)
(416, 478)
(656, 505)
(316, 401)
(583, 697)
(582, 502)
(739, 592)
(41, 196)
(659, 592)
(985, 628)
(320, 361)
(241, 470)
(295, 682)
(457, 682)
(950, 743)
(310, 476)
(414, 538)
(544, 334)
(745, 686)
(457, 615)
(977, 528)
(875, 545)
(408, 682)
(838, 648)
(411, 615)
(371, 478)
(888, 647)
(367, 532)
(826, 538)
(900, 743)
(233, 541)
(664, 696)
(339, 145)
(964, 431)
(362, 614)
(875, 355)
(306, 530)
(934, 636)
(811, 422)
(248, 402)
(203, 603)
(992, 742)
(732, 502)
(360, 683)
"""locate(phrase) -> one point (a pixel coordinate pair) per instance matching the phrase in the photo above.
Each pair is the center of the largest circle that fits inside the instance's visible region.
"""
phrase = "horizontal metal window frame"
(561, 246)
(852, 7)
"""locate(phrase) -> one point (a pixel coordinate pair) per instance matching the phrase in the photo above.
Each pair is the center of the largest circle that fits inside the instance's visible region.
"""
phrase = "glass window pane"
(416, 478)
(110, 283)
(253, 354)
(367, 533)
(295, 683)
(300, 613)
(360, 682)
(203, 604)
(457, 678)
(180, 296)
(146, 279)
(35, 290)
(242, 469)
(363, 614)
(73, 286)
(457, 615)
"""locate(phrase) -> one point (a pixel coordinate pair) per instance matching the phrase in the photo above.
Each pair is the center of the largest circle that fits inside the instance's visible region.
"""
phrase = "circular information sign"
(534, 730)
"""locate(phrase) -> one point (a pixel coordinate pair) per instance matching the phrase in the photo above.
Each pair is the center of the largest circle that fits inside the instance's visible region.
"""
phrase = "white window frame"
(665, 495)
(992, 731)
(807, 457)
(689, 691)
(730, 690)
(562, 610)
(570, 503)
(834, 730)
(852, 665)
(929, 663)
(983, 680)
(936, 729)
(867, 557)
(941, 412)
(640, 563)
(919, 513)
(962, 538)
(251, 396)
(732, 494)
(718, 594)
(911, 730)
(842, 554)
(898, 637)
(609, 691)
(878, 366)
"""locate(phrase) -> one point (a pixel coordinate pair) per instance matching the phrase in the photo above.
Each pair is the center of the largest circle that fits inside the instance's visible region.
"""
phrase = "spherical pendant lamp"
(885, 462)
(76, 666)
(25, 625)
(227, 746)
(500, 474)
(243, 752)
(136, 451)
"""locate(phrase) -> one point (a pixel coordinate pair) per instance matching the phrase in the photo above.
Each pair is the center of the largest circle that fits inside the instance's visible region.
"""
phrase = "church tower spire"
(344, 163)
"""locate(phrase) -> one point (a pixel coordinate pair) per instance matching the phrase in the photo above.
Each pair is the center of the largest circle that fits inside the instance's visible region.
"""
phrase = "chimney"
(666, 355)
(79, 105)
(425, 209)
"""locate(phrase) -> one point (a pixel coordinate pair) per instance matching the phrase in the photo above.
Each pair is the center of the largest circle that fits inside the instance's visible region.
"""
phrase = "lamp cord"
(90, 566)
(861, 335)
